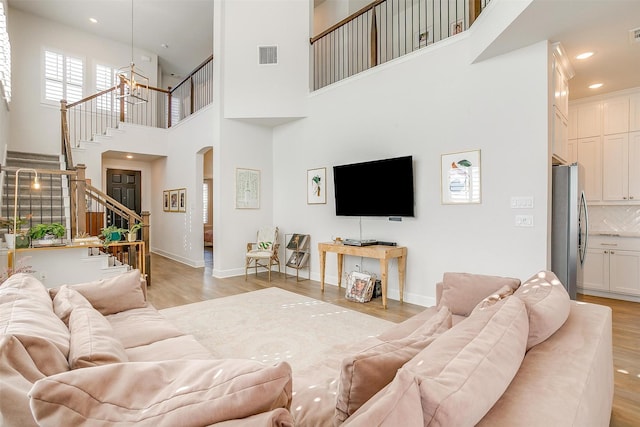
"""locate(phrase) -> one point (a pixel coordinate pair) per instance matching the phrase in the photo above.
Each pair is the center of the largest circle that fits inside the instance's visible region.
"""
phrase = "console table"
(383, 253)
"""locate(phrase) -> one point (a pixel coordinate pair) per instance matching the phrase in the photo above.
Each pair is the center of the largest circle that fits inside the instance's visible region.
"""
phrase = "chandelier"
(136, 85)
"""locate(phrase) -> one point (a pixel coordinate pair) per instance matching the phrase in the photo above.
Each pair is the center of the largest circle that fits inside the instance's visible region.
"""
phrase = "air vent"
(267, 55)
(634, 36)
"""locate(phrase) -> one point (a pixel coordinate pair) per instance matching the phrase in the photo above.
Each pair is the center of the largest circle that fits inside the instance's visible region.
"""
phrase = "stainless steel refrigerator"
(569, 225)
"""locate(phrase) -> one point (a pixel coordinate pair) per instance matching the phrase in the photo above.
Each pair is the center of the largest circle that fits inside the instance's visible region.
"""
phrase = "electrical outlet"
(524, 220)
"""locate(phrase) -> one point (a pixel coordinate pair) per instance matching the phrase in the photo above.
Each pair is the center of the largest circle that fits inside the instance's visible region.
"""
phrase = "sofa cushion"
(92, 341)
(368, 371)
(461, 292)
(492, 299)
(112, 295)
(180, 392)
(181, 347)
(26, 312)
(66, 300)
(153, 326)
(465, 371)
(548, 305)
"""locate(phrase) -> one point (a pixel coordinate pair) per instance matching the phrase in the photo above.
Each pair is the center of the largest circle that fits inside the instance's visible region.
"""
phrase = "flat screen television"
(377, 188)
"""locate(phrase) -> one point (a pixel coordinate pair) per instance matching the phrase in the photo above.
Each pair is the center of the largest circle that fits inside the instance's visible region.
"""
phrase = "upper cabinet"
(562, 72)
(615, 115)
(634, 112)
(589, 120)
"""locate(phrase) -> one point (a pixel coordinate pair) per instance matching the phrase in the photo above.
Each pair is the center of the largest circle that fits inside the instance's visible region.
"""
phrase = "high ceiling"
(186, 26)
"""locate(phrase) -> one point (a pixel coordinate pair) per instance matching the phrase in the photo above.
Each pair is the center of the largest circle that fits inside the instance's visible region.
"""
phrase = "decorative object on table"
(47, 234)
(461, 178)
(317, 186)
(165, 201)
(182, 200)
(20, 267)
(132, 233)
(9, 224)
(111, 234)
(247, 188)
(359, 286)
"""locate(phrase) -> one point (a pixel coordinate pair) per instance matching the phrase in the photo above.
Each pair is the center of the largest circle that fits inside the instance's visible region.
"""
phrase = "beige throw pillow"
(169, 393)
(112, 295)
(66, 300)
(461, 292)
(461, 375)
(548, 305)
(368, 371)
(499, 295)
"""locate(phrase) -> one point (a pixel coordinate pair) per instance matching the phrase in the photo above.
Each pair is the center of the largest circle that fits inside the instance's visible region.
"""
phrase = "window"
(205, 203)
(106, 77)
(5, 55)
(63, 77)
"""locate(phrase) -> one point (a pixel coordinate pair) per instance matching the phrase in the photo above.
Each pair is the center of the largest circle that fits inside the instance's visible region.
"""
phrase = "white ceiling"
(186, 26)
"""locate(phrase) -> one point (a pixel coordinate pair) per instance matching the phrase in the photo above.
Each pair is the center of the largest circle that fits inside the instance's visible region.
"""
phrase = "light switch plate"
(524, 220)
(523, 202)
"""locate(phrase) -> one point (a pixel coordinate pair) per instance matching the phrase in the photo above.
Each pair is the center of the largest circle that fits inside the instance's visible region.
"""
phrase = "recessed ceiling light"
(585, 55)
(595, 86)
(93, 20)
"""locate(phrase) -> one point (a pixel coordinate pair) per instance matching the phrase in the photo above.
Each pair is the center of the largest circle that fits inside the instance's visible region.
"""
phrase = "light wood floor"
(177, 284)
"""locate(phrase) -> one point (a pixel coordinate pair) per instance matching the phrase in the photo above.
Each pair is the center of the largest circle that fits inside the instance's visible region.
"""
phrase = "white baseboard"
(187, 261)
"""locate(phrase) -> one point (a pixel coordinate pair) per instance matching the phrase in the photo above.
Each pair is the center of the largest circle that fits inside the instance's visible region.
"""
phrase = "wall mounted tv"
(377, 188)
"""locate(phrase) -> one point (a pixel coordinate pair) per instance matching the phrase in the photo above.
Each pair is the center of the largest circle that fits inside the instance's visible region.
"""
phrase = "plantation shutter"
(53, 76)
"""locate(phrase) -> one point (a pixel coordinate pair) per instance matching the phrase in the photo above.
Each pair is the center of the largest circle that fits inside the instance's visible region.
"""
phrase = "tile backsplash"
(614, 219)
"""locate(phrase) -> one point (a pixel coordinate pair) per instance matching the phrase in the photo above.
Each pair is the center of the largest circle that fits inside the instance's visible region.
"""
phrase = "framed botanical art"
(317, 186)
(165, 200)
(247, 188)
(173, 200)
(460, 178)
(182, 200)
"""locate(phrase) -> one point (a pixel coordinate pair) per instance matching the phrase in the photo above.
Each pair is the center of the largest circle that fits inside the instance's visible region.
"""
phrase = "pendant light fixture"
(136, 87)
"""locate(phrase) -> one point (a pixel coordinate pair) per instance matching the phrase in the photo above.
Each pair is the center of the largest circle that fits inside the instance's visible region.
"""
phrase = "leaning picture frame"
(461, 178)
(359, 286)
(317, 186)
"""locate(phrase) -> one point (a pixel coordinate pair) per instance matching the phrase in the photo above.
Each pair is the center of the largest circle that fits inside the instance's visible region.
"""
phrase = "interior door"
(125, 187)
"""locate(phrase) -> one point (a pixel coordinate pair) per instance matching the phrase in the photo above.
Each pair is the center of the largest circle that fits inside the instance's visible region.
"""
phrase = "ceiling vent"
(267, 55)
(634, 36)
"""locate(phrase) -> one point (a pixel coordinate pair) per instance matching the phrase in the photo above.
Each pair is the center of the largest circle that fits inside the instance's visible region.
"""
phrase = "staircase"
(47, 205)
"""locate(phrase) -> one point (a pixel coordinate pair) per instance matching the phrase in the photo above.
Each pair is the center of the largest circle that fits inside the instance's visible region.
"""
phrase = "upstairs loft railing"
(88, 210)
(93, 115)
(385, 30)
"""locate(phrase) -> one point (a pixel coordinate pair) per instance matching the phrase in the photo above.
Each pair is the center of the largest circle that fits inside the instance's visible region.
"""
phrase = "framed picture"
(165, 200)
(317, 186)
(359, 286)
(457, 27)
(298, 259)
(182, 200)
(247, 189)
(173, 200)
(460, 178)
(424, 38)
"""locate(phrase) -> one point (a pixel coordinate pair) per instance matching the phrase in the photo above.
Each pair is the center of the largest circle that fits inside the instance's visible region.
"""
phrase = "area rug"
(271, 325)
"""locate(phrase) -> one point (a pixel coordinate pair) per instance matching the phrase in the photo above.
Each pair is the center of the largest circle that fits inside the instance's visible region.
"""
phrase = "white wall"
(427, 104)
(29, 35)
(265, 91)
(329, 13)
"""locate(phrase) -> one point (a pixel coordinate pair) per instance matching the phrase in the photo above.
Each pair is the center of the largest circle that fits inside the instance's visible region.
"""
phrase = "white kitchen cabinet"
(572, 151)
(624, 272)
(634, 112)
(589, 156)
(573, 123)
(634, 166)
(560, 134)
(615, 115)
(589, 120)
(615, 167)
(560, 90)
(612, 267)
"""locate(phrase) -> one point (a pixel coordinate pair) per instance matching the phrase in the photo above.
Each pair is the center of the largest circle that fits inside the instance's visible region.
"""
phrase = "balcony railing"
(385, 30)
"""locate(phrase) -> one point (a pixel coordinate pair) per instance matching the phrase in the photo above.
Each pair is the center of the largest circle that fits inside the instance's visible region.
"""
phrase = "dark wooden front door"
(125, 187)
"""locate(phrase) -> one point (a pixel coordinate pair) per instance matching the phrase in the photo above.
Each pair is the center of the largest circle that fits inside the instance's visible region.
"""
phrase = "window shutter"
(74, 79)
(53, 74)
